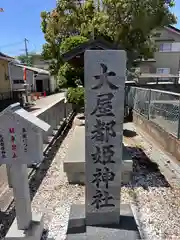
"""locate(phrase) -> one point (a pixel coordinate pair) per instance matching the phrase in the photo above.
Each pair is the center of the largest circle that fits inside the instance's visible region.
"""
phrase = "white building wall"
(17, 75)
(52, 83)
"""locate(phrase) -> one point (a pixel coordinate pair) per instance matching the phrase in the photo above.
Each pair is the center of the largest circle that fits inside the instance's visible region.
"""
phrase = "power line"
(11, 44)
(26, 48)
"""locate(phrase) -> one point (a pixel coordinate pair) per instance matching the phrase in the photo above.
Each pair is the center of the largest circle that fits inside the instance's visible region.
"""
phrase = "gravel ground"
(156, 203)
(155, 199)
(55, 196)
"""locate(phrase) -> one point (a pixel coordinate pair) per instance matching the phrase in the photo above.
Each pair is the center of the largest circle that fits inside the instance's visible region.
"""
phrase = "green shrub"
(56, 90)
(68, 76)
(76, 96)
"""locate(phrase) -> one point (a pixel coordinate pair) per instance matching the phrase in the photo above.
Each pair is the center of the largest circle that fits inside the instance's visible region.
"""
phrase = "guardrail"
(161, 107)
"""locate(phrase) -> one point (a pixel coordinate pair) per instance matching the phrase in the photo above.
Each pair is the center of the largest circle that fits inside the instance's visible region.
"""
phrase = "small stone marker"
(21, 136)
(105, 73)
(21, 144)
(104, 87)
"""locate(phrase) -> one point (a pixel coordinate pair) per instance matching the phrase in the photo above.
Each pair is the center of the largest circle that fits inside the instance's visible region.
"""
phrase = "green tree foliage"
(72, 42)
(68, 75)
(61, 23)
(27, 60)
(131, 24)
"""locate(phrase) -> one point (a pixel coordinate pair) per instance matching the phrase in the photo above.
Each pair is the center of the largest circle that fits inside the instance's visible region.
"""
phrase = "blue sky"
(176, 10)
(21, 19)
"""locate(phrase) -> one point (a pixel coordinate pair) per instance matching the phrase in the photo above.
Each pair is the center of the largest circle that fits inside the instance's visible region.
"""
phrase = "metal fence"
(161, 107)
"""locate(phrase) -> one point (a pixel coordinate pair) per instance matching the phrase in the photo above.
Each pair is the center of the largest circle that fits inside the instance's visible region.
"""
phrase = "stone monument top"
(21, 136)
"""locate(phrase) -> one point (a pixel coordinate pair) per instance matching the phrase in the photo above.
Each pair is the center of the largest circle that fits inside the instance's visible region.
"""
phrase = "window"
(158, 34)
(163, 71)
(18, 81)
(165, 47)
(176, 47)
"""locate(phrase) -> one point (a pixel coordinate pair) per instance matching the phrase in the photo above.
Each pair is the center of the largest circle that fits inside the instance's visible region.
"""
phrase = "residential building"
(17, 76)
(165, 65)
(5, 83)
(36, 79)
(39, 62)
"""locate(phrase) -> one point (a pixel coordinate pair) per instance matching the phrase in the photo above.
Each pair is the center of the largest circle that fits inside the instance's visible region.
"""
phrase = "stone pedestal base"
(126, 230)
(74, 162)
(33, 233)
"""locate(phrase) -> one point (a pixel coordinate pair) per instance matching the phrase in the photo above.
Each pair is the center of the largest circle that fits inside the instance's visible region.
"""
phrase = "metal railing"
(161, 107)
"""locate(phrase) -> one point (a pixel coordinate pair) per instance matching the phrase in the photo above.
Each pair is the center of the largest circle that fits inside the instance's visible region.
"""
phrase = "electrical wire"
(11, 44)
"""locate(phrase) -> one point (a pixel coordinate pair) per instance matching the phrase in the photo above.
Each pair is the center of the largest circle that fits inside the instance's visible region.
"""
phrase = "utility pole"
(26, 49)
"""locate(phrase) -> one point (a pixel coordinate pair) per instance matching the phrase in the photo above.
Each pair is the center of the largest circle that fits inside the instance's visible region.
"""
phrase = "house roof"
(173, 29)
(34, 69)
(5, 57)
(97, 43)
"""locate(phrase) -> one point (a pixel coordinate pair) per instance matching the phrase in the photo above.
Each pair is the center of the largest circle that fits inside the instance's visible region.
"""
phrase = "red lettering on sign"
(11, 130)
(12, 138)
(14, 155)
(13, 147)
(24, 130)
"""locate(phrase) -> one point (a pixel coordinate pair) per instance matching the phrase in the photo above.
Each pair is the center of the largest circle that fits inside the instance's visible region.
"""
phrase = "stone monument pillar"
(104, 93)
(105, 74)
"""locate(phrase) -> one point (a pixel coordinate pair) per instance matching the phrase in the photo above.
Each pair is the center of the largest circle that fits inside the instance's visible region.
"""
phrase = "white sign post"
(22, 199)
(21, 143)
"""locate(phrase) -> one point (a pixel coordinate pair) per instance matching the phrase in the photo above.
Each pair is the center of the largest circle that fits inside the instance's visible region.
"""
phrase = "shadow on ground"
(33, 109)
(145, 172)
(6, 218)
(129, 133)
(5, 103)
(45, 235)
